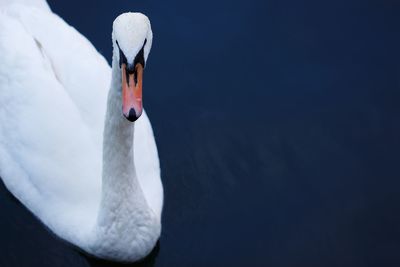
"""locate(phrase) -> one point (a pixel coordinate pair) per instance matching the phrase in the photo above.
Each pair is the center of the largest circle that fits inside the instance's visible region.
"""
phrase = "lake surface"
(278, 128)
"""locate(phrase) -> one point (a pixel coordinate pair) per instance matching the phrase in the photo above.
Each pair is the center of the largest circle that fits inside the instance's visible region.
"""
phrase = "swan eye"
(139, 59)
(122, 57)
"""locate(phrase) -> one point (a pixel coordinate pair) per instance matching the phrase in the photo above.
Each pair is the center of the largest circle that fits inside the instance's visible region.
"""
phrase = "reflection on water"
(149, 261)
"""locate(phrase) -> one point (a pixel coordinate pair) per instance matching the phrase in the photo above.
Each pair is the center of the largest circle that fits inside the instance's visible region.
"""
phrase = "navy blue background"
(278, 128)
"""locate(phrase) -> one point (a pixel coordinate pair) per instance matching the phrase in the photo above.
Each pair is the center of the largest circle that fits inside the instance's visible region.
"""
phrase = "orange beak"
(132, 106)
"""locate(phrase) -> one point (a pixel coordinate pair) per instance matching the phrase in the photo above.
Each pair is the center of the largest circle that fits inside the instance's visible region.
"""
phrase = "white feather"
(53, 95)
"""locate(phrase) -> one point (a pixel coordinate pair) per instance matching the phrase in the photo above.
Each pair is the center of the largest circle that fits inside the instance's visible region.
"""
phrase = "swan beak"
(132, 106)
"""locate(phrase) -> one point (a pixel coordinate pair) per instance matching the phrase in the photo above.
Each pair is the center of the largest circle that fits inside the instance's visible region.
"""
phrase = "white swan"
(66, 150)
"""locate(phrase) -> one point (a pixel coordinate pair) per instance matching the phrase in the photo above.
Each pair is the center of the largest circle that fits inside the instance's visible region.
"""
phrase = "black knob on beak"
(130, 69)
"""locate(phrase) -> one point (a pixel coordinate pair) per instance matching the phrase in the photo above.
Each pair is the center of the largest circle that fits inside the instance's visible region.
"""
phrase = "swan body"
(66, 151)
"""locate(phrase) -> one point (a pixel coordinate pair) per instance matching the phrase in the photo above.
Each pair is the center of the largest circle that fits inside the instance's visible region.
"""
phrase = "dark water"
(278, 126)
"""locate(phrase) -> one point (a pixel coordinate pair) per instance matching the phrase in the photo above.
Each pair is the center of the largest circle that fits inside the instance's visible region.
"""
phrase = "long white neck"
(126, 226)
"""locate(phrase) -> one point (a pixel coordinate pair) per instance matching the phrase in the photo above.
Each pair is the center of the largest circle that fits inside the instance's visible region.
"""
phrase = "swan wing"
(47, 157)
(82, 71)
(42, 4)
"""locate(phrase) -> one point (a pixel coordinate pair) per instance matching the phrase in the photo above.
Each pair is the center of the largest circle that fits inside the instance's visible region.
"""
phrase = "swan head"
(132, 39)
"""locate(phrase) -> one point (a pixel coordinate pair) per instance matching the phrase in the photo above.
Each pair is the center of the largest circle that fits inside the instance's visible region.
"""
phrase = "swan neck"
(118, 161)
(124, 218)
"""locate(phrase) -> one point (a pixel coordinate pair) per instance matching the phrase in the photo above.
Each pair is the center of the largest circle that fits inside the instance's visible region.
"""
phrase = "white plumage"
(53, 112)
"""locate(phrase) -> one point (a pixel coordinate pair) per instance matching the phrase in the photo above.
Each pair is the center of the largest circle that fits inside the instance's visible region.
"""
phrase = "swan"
(76, 147)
